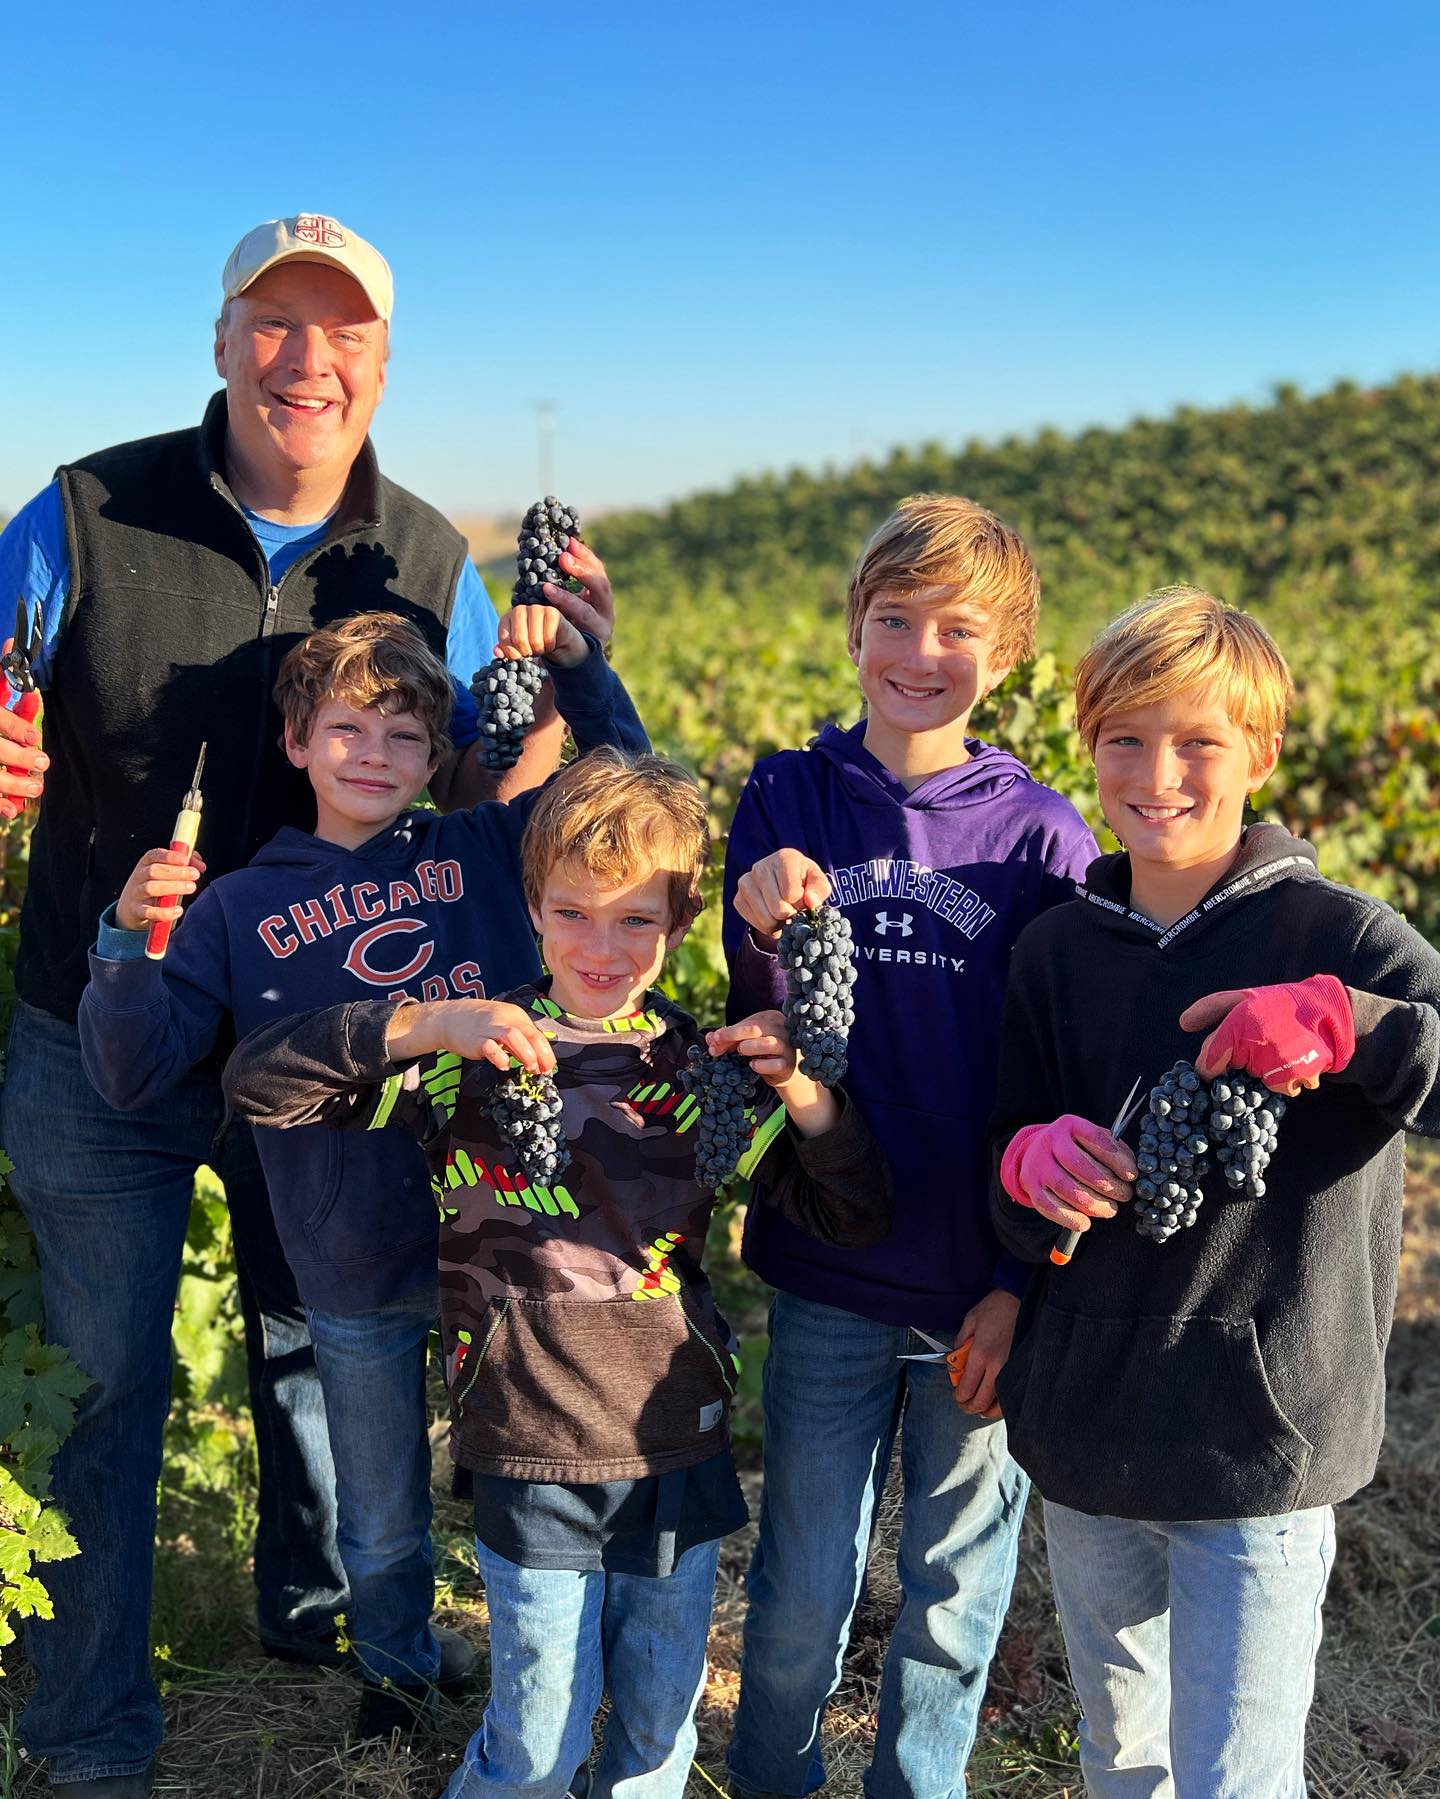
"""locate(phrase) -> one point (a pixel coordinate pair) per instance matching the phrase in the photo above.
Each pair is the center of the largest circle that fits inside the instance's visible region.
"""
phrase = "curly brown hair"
(373, 659)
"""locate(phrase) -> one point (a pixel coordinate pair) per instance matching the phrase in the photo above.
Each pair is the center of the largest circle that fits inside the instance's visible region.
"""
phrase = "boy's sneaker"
(410, 1709)
(456, 1673)
(386, 1711)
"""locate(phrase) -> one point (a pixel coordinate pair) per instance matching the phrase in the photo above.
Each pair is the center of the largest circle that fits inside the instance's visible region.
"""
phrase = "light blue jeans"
(372, 1372)
(835, 1395)
(1192, 1648)
(557, 1641)
(107, 1195)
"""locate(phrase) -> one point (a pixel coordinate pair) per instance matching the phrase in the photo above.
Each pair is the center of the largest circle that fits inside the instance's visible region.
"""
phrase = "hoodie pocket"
(587, 1390)
(373, 1199)
(1152, 1418)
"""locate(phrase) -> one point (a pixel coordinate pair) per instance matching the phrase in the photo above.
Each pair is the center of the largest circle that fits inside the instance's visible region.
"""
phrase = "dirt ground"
(238, 1729)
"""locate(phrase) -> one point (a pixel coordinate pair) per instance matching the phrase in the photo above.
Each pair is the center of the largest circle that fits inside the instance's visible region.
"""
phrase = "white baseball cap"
(310, 237)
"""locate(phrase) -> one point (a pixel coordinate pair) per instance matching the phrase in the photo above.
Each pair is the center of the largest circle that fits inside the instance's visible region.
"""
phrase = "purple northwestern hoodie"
(937, 884)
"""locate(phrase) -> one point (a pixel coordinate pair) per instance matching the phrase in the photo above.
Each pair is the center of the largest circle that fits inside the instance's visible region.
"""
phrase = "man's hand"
(988, 1328)
(541, 631)
(1070, 1171)
(764, 1040)
(157, 889)
(22, 761)
(776, 888)
(480, 1030)
(593, 610)
(1287, 1035)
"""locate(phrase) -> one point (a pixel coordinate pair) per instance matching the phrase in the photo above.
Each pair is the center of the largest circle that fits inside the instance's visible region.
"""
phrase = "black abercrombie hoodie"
(1237, 1370)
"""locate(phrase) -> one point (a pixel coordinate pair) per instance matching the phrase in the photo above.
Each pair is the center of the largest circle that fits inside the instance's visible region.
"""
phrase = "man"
(174, 574)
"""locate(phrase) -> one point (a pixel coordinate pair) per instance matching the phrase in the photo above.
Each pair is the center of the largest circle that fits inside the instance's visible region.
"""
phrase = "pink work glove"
(1287, 1035)
(1070, 1171)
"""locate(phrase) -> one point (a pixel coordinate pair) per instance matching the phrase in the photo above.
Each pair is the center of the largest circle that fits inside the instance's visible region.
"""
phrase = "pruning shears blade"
(1128, 1109)
(938, 1350)
(29, 635)
(1064, 1246)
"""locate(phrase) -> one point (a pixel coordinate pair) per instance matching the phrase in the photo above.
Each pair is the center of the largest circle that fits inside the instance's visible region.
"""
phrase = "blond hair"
(1178, 640)
(374, 659)
(941, 540)
(621, 818)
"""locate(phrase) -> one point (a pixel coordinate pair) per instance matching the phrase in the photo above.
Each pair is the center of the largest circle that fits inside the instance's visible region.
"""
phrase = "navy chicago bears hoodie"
(431, 907)
(937, 884)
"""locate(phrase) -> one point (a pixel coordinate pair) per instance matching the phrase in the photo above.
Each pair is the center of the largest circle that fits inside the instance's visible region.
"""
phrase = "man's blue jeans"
(560, 1639)
(372, 1371)
(835, 1395)
(107, 1195)
(1192, 1648)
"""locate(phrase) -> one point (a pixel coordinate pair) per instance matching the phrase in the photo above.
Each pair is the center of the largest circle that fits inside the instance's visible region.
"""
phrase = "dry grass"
(238, 1729)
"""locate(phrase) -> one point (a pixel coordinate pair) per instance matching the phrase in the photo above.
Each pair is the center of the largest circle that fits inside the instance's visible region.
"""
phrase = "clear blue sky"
(723, 238)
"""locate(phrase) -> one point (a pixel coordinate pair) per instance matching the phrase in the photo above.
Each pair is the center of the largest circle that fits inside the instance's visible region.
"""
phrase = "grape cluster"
(526, 1109)
(1174, 1145)
(505, 689)
(505, 692)
(818, 957)
(1235, 1118)
(724, 1086)
(1244, 1127)
(545, 531)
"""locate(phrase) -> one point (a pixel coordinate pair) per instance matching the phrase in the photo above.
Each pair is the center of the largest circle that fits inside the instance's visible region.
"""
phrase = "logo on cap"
(315, 228)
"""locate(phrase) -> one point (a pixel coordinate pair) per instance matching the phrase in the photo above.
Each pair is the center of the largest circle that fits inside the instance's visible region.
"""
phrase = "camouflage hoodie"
(582, 1341)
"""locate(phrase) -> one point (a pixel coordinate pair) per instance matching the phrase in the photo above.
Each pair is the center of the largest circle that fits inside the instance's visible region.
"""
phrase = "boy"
(1191, 1412)
(940, 849)
(380, 898)
(595, 1426)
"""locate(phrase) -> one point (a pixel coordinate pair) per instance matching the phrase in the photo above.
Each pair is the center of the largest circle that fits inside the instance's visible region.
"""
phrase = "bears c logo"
(358, 962)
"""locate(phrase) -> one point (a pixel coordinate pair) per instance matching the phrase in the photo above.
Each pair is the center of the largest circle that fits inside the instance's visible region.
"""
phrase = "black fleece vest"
(173, 634)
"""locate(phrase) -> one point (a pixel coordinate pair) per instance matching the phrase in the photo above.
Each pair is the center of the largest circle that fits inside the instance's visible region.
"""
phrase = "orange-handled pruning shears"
(1064, 1245)
(954, 1356)
(18, 670)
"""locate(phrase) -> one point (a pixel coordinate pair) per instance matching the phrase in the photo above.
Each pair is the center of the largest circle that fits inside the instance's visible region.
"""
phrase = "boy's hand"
(1069, 1172)
(988, 1328)
(1286, 1036)
(593, 610)
(22, 761)
(541, 631)
(480, 1030)
(764, 1040)
(156, 889)
(776, 888)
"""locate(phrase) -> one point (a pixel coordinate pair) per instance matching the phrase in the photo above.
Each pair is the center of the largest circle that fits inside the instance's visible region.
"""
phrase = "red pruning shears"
(182, 841)
(1063, 1247)
(17, 667)
(953, 1356)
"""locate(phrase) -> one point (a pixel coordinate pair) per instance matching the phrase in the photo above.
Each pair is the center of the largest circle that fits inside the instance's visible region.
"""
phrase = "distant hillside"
(1322, 514)
(490, 539)
(1338, 494)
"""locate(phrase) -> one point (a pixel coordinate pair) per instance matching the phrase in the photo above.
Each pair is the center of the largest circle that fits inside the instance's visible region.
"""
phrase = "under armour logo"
(884, 923)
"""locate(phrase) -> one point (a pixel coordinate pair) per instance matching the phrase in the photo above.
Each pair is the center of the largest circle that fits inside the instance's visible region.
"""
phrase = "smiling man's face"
(302, 354)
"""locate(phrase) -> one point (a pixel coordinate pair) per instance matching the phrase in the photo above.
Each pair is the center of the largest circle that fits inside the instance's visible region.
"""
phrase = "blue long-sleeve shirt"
(431, 907)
